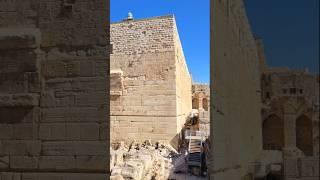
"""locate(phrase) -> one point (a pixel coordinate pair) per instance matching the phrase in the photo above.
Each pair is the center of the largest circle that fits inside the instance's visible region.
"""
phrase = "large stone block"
(6, 131)
(20, 147)
(17, 38)
(291, 168)
(92, 163)
(71, 148)
(52, 131)
(23, 162)
(57, 163)
(10, 176)
(73, 114)
(25, 131)
(82, 131)
(4, 162)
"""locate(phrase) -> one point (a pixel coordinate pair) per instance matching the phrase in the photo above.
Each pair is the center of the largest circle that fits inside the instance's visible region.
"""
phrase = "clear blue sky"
(290, 30)
(193, 24)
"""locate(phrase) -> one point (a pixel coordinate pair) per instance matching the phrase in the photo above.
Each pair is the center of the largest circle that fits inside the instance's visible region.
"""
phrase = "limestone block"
(6, 131)
(23, 162)
(116, 82)
(17, 38)
(82, 131)
(4, 162)
(73, 114)
(87, 69)
(290, 168)
(69, 131)
(10, 176)
(104, 131)
(92, 99)
(25, 131)
(91, 163)
(309, 167)
(54, 69)
(52, 131)
(73, 68)
(85, 148)
(33, 81)
(116, 177)
(57, 162)
(20, 147)
(19, 100)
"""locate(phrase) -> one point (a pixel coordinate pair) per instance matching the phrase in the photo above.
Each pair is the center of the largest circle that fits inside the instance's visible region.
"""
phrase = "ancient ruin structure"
(150, 82)
(200, 96)
(290, 119)
(53, 90)
(265, 121)
(201, 102)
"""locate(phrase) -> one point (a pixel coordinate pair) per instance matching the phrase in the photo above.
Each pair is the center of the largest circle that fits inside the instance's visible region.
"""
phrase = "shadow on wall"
(13, 115)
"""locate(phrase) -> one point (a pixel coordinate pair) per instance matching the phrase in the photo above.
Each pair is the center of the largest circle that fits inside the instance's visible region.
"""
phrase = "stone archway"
(205, 104)
(195, 103)
(273, 133)
(304, 138)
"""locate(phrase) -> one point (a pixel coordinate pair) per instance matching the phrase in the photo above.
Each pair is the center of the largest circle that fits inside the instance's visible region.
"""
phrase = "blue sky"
(290, 30)
(193, 24)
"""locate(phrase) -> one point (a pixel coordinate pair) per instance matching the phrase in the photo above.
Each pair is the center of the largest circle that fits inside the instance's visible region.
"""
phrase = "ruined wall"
(201, 96)
(151, 100)
(293, 97)
(53, 89)
(235, 102)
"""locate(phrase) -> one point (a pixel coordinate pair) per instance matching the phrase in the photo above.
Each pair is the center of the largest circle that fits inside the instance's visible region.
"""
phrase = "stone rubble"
(141, 161)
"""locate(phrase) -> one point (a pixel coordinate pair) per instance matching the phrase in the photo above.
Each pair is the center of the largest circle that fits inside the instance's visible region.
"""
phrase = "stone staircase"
(195, 149)
(195, 152)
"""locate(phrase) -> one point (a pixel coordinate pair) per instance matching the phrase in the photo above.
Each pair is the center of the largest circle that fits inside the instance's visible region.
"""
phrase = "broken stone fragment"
(116, 177)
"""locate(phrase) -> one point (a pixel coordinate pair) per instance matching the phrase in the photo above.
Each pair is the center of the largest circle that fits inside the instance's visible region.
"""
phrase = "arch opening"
(273, 133)
(304, 139)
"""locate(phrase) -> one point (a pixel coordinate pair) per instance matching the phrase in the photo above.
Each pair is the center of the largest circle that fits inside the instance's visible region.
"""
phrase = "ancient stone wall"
(149, 101)
(201, 102)
(292, 96)
(183, 83)
(53, 89)
(235, 100)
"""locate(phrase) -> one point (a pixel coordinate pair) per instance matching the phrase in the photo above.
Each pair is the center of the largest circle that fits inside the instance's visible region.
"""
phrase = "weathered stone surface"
(10, 176)
(150, 81)
(54, 89)
(4, 162)
(23, 162)
(141, 161)
(20, 147)
(13, 38)
(234, 92)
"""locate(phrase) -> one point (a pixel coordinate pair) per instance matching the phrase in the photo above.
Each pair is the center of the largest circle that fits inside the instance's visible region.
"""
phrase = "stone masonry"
(236, 141)
(150, 81)
(290, 119)
(201, 102)
(53, 90)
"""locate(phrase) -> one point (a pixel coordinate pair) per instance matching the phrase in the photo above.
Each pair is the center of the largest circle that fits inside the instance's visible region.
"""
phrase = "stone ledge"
(15, 100)
(19, 38)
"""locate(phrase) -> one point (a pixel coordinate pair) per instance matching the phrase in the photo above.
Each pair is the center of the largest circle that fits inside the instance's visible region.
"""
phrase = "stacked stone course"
(53, 90)
(151, 84)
